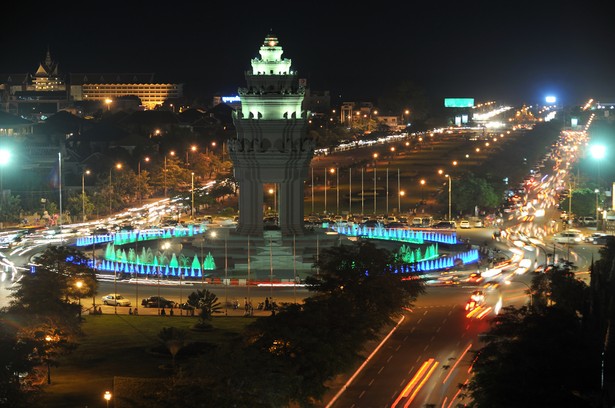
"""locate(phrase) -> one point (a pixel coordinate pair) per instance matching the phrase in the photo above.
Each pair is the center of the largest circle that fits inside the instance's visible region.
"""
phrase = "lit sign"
(458, 102)
(231, 99)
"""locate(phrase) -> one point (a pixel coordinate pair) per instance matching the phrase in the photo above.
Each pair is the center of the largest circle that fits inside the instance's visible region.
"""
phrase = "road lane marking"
(450, 371)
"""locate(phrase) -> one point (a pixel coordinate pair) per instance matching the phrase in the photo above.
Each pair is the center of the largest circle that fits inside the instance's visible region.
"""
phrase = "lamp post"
(48, 339)
(172, 153)
(107, 397)
(83, 192)
(146, 159)
(597, 191)
(192, 208)
(422, 185)
(79, 285)
(119, 167)
(108, 102)
(449, 191)
(5, 157)
(192, 149)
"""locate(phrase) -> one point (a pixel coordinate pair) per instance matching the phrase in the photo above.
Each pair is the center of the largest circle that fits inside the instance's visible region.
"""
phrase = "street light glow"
(598, 151)
(5, 156)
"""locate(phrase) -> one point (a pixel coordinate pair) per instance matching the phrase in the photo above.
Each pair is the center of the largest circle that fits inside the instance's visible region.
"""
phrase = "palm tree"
(174, 340)
(207, 303)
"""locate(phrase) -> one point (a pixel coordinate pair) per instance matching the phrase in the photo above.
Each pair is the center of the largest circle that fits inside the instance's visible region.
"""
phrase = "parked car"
(478, 223)
(157, 301)
(464, 224)
(445, 225)
(115, 299)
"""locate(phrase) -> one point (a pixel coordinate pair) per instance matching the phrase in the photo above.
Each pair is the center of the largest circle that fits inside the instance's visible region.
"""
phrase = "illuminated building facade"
(102, 87)
(272, 145)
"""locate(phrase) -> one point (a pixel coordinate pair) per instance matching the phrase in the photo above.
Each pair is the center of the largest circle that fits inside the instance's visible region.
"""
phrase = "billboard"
(458, 102)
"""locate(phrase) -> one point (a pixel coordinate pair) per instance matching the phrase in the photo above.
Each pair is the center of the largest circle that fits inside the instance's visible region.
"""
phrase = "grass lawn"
(120, 345)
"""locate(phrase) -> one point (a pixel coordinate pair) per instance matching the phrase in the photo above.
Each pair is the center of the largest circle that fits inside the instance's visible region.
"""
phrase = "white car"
(464, 224)
(568, 237)
(115, 299)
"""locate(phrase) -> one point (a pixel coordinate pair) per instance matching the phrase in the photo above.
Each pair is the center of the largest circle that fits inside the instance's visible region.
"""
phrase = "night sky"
(513, 52)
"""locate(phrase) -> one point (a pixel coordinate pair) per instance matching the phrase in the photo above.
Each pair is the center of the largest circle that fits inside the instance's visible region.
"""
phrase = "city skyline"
(517, 55)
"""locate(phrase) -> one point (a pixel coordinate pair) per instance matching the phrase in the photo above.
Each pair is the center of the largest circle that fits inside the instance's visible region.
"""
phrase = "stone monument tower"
(272, 145)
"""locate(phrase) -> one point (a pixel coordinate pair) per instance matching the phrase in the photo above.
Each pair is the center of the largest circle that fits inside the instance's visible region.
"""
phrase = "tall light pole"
(107, 397)
(146, 159)
(192, 149)
(48, 339)
(325, 211)
(60, 185)
(5, 157)
(192, 208)
(119, 167)
(172, 153)
(441, 172)
(597, 191)
(83, 192)
(337, 188)
(422, 185)
(79, 285)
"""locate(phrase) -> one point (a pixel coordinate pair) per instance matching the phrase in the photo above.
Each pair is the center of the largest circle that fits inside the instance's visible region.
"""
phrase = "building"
(106, 87)
(34, 96)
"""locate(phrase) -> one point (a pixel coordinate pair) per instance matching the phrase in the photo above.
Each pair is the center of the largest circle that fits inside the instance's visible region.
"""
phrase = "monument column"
(250, 208)
(272, 145)
(291, 213)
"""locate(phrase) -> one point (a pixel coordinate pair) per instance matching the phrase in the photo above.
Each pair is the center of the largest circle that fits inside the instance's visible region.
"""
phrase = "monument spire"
(272, 145)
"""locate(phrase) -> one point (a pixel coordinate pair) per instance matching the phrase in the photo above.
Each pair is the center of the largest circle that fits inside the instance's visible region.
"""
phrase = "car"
(186, 306)
(157, 301)
(464, 224)
(568, 237)
(592, 237)
(396, 225)
(478, 224)
(444, 225)
(115, 299)
(475, 278)
(603, 240)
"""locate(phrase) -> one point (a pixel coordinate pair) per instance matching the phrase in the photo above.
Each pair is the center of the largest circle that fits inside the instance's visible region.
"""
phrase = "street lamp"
(272, 191)
(5, 157)
(192, 149)
(108, 102)
(83, 192)
(146, 159)
(598, 152)
(79, 285)
(107, 397)
(449, 191)
(48, 339)
(172, 153)
(192, 208)
(597, 191)
(119, 167)
(422, 185)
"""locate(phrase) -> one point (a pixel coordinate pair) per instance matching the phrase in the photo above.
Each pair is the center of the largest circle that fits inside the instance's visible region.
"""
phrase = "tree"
(10, 208)
(364, 274)
(534, 360)
(470, 191)
(48, 293)
(174, 340)
(207, 303)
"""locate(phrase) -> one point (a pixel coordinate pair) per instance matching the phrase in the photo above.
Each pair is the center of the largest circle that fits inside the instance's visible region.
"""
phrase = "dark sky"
(507, 51)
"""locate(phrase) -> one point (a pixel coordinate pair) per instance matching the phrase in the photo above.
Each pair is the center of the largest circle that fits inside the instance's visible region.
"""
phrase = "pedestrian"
(130, 311)
(171, 312)
(99, 310)
(267, 303)
(136, 312)
(163, 312)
